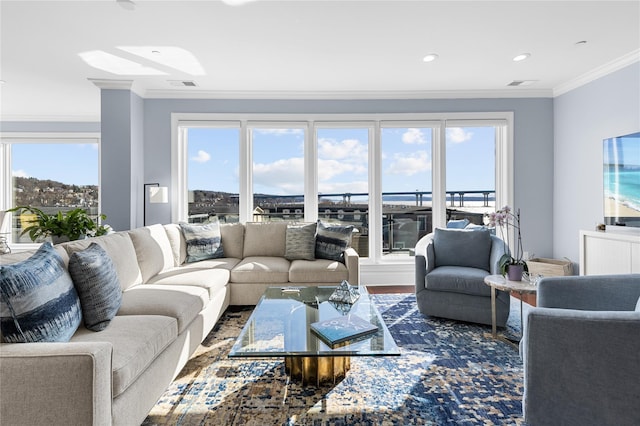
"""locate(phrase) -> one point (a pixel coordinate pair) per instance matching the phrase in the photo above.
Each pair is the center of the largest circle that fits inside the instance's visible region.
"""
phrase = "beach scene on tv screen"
(621, 162)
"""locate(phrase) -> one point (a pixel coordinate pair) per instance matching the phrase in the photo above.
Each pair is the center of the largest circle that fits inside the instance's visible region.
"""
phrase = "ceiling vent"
(183, 83)
(516, 83)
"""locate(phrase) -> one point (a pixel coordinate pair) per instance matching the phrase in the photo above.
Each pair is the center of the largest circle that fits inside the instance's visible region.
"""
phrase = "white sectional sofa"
(116, 375)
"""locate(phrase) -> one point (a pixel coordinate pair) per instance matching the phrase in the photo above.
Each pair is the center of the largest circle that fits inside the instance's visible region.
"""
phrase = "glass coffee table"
(280, 327)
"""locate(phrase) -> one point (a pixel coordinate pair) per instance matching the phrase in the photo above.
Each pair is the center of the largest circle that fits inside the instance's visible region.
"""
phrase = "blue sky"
(279, 160)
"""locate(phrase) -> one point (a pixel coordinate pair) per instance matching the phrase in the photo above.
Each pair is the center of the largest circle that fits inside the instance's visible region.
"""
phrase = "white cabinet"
(609, 253)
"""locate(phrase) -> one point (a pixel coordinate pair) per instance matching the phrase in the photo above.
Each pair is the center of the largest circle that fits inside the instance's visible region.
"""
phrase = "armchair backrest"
(455, 247)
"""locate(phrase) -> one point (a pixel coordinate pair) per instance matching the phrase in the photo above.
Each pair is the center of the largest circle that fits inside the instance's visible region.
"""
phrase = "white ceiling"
(310, 49)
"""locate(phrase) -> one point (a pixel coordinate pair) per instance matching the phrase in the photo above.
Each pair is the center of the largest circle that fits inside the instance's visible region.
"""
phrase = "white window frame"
(7, 139)
(502, 120)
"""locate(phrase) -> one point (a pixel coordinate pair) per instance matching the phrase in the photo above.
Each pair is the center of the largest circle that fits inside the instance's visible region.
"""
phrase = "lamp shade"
(158, 194)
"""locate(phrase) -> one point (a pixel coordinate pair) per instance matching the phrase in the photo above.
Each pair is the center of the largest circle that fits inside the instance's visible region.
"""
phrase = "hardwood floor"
(386, 289)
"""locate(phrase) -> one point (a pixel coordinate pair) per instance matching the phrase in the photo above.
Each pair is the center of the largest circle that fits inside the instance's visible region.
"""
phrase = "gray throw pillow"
(457, 247)
(332, 241)
(38, 302)
(300, 241)
(96, 281)
(457, 224)
(203, 241)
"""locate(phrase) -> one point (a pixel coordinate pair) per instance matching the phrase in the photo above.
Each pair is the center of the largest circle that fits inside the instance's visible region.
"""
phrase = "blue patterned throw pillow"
(203, 241)
(98, 286)
(332, 241)
(38, 302)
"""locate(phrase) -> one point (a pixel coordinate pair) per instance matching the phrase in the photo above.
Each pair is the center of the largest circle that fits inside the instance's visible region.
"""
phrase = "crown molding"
(597, 73)
(346, 95)
(113, 84)
(51, 118)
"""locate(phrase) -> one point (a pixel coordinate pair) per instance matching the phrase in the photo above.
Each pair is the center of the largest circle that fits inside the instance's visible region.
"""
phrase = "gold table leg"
(317, 370)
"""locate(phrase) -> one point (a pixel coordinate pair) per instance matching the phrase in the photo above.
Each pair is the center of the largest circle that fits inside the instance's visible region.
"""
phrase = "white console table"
(603, 252)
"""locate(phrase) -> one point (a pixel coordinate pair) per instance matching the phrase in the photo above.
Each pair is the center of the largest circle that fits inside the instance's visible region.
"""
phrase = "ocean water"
(624, 186)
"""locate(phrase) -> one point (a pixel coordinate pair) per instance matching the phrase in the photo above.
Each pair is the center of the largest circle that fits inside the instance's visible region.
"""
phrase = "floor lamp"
(157, 195)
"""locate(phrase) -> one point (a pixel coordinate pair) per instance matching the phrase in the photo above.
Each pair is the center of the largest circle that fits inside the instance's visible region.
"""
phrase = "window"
(212, 173)
(53, 173)
(406, 186)
(394, 177)
(343, 180)
(277, 173)
(471, 172)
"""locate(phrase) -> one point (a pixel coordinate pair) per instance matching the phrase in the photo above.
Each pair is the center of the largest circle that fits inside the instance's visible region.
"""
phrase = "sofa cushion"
(210, 279)
(120, 249)
(300, 241)
(264, 239)
(458, 279)
(232, 235)
(261, 269)
(317, 271)
(457, 247)
(178, 244)
(97, 284)
(203, 240)
(153, 250)
(332, 241)
(137, 341)
(38, 302)
(15, 257)
(182, 302)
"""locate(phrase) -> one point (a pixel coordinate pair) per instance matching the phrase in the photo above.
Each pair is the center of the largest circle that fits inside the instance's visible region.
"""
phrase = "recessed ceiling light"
(430, 57)
(521, 57)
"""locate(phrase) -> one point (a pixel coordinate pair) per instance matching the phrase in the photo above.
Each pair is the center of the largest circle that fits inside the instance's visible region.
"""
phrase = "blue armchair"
(451, 265)
(581, 352)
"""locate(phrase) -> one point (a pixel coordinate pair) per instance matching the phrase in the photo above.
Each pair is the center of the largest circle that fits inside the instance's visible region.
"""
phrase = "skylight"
(170, 56)
(115, 64)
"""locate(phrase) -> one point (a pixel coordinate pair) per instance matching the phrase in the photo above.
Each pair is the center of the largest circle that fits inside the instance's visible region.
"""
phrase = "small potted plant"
(63, 226)
(512, 263)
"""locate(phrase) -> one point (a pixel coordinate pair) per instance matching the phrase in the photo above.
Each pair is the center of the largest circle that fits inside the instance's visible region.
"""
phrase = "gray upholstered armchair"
(581, 352)
(451, 265)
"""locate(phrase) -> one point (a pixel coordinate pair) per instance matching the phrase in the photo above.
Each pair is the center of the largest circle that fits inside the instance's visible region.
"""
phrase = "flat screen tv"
(621, 160)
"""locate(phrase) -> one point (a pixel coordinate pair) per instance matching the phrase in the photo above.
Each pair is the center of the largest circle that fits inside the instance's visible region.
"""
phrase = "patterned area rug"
(449, 373)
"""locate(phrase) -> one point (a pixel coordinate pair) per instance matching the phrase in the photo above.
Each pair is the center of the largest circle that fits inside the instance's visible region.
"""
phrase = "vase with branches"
(513, 259)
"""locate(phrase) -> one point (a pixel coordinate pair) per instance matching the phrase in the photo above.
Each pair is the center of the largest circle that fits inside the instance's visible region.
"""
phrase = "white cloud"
(201, 157)
(19, 173)
(413, 136)
(347, 149)
(409, 165)
(458, 135)
(286, 174)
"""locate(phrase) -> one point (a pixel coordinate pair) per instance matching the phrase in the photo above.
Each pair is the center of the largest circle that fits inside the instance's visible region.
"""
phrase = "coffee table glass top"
(280, 325)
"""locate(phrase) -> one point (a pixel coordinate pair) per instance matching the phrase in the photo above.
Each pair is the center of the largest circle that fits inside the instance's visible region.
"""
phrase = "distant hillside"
(49, 193)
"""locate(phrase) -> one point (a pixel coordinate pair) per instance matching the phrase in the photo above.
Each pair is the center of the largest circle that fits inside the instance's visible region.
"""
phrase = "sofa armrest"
(590, 292)
(55, 383)
(572, 358)
(424, 260)
(352, 262)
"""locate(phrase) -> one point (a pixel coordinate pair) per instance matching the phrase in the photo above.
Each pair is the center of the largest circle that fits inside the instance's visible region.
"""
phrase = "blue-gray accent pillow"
(458, 247)
(457, 224)
(332, 241)
(38, 302)
(638, 305)
(97, 284)
(203, 240)
(300, 242)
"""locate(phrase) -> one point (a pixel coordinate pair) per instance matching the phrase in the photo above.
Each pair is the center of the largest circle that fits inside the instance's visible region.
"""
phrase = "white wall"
(607, 107)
